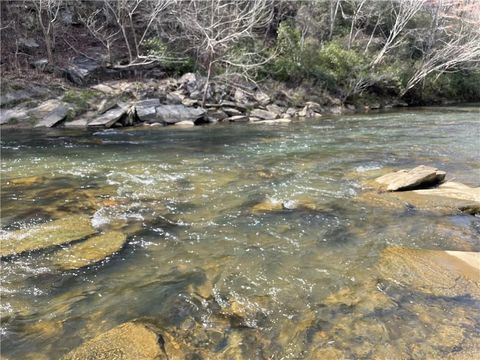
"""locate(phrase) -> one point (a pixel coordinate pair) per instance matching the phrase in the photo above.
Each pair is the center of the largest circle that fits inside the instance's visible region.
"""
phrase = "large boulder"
(129, 341)
(420, 177)
(57, 114)
(58, 232)
(439, 273)
(82, 70)
(146, 109)
(172, 114)
(90, 251)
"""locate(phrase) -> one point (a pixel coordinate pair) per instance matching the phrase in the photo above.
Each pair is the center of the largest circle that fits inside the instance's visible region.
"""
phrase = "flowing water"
(223, 273)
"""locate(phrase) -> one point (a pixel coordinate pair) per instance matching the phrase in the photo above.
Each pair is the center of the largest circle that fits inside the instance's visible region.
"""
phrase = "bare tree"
(47, 14)
(133, 23)
(357, 6)
(334, 6)
(212, 27)
(453, 42)
(403, 11)
(99, 28)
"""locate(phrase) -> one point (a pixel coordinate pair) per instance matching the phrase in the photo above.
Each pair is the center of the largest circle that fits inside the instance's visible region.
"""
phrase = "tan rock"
(129, 341)
(43, 236)
(411, 179)
(440, 273)
(453, 190)
(90, 251)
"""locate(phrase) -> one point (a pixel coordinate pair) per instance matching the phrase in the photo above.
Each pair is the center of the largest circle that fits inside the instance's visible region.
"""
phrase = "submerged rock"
(419, 177)
(440, 273)
(43, 236)
(129, 341)
(90, 251)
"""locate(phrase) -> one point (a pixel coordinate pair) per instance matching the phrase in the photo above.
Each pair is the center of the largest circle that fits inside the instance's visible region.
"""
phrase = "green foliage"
(171, 62)
(462, 86)
(340, 64)
(288, 63)
(80, 99)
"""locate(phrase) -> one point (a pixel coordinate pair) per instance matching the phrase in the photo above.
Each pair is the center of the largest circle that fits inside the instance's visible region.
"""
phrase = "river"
(207, 257)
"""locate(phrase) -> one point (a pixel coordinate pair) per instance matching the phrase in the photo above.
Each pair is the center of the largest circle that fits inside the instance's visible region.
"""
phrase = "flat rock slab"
(79, 123)
(129, 341)
(171, 114)
(53, 117)
(431, 202)
(419, 177)
(110, 117)
(90, 251)
(435, 272)
(57, 232)
(453, 190)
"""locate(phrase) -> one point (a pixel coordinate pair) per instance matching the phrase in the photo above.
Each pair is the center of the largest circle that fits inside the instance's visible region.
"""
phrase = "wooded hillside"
(419, 50)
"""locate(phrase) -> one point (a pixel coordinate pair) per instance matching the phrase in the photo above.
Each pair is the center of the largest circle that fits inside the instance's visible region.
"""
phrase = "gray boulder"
(146, 109)
(50, 113)
(82, 70)
(172, 114)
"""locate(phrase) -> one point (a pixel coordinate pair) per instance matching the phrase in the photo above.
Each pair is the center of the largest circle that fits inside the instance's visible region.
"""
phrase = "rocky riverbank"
(169, 101)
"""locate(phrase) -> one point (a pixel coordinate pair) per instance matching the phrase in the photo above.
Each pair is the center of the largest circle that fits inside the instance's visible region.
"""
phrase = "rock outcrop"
(419, 177)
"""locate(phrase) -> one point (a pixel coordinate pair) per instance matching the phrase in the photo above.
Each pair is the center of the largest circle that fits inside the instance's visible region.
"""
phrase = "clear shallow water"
(200, 262)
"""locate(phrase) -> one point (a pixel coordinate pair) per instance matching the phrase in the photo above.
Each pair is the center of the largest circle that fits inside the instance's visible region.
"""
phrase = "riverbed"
(212, 256)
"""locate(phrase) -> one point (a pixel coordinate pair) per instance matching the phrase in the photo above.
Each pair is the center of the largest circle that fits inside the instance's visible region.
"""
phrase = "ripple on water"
(285, 281)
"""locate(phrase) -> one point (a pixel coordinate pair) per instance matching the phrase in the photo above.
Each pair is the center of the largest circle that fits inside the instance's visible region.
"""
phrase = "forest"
(422, 51)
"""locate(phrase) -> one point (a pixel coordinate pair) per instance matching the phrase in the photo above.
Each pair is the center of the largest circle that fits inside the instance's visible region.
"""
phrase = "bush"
(170, 61)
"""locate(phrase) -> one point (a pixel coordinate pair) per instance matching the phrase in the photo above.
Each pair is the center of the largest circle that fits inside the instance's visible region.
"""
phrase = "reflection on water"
(223, 273)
